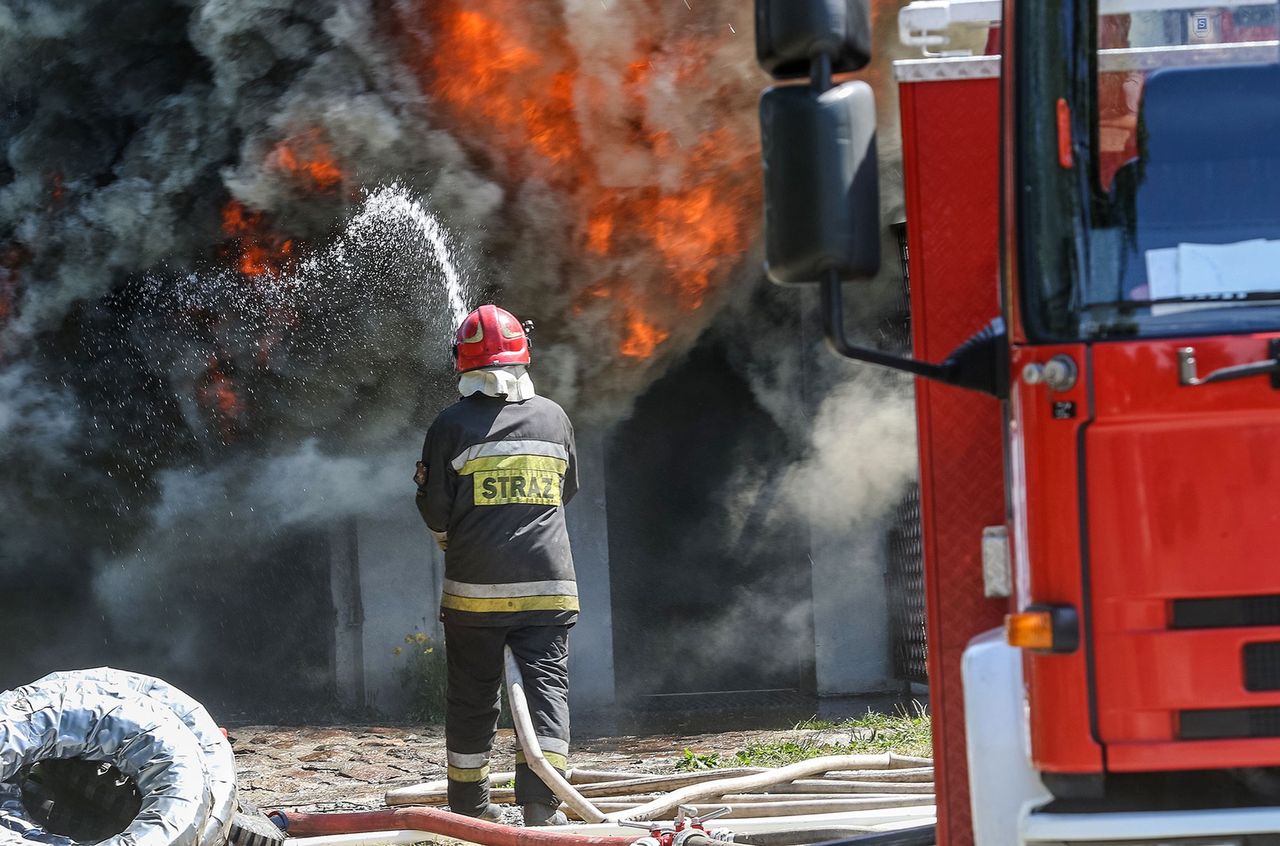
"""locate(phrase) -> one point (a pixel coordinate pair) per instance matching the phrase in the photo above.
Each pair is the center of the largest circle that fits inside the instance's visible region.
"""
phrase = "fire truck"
(1092, 195)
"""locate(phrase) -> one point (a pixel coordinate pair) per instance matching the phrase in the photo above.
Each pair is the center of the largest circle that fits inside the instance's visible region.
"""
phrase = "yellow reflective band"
(469, 774)
(525, 487)
(514, 462)
(560, 762)
(509, 603)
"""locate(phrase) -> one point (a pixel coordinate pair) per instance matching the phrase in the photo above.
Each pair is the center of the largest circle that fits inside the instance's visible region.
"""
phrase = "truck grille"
(1230, 612)
(1228, 723)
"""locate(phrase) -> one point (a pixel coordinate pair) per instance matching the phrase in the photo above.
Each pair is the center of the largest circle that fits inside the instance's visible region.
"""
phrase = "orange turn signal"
(1044, 628)
(1029, 629)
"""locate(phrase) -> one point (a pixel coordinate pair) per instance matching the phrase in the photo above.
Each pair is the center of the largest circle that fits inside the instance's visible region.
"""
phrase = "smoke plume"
(216, 329)
(221, 332)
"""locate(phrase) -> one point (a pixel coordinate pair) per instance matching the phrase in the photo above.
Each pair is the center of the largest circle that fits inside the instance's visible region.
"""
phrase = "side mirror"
(789, 33)
(821, 183)
(821, 180)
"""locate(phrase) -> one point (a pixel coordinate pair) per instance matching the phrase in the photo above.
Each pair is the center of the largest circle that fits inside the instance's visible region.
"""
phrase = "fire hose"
(404, 825)
(609, 784)
(332, 828)
(533, 752)
(410, 824)
(664, 805)
(434, 821)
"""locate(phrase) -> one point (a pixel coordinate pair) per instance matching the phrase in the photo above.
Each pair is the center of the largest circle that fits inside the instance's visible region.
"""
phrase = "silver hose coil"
(219, 760)
(141, 737)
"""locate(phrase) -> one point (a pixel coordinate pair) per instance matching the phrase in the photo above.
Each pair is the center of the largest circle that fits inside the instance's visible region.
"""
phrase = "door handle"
(1187, 368)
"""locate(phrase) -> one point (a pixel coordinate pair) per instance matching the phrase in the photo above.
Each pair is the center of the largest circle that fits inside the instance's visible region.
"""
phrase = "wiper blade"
(1209, 299)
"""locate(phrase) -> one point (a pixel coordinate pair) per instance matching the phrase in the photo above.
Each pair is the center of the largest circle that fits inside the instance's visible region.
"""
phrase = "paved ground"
(352, 767)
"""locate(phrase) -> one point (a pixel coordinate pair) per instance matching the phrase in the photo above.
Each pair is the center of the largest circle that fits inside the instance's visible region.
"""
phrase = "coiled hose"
(177, 758)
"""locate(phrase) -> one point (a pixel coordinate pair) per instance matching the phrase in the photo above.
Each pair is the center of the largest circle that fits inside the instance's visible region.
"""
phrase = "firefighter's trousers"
(475, 660)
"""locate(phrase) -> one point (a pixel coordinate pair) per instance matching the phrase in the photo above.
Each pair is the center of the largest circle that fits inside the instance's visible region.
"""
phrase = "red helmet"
(488, 337)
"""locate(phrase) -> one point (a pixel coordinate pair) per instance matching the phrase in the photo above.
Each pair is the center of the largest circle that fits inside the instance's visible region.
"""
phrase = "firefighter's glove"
(442, 538)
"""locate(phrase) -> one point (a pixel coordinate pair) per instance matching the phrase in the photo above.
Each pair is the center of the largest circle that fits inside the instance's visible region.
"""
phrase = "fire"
(237, 220)
(215, 391)
(640, 337)
(507, 75)
(690, 229)
(309, 159)
(258, 260)
(475, 59)
(256, 250)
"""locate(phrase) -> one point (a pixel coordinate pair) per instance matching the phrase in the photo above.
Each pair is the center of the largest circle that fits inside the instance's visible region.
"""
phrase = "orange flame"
(473, 64)
(309, 159)
(508, 77)
(640, 337)
(237, 220)
(691, 229)
(257, 251)
(215, 391)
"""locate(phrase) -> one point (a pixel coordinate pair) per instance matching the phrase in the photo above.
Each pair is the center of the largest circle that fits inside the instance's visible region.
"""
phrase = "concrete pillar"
(348, 637)
(591, 642)
(850, 602)
(850, 611)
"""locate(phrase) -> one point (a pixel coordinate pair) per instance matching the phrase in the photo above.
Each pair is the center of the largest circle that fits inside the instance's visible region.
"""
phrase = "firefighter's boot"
(536, 813)
(471, 799)
(489, 813)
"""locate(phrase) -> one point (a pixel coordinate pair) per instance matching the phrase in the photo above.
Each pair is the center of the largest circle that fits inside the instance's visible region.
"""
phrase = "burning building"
(234, 235)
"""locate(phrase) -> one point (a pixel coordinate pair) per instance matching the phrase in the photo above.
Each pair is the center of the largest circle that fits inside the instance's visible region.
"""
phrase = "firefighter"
(497, 469)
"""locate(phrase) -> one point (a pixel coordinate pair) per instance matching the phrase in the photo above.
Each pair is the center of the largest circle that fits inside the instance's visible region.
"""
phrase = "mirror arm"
(833, 329)
(980, 364)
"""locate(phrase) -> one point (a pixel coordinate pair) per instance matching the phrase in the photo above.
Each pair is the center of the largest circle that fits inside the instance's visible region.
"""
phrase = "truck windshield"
(1175, 171)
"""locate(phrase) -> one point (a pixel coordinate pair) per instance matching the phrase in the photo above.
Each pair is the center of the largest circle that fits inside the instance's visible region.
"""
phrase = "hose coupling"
(690, 836)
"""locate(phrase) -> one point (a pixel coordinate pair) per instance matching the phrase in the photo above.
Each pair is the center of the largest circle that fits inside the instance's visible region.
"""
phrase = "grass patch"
(693, 761)
(905, 733)
(422, 675)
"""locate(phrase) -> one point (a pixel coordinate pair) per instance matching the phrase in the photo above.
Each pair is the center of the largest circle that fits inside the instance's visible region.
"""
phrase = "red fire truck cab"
(1093, 218)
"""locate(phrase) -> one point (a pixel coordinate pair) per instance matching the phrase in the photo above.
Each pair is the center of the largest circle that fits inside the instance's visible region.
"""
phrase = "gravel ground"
(352, 767)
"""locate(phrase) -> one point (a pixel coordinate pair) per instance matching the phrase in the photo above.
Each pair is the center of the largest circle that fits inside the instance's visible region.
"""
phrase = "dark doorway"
(711, 580)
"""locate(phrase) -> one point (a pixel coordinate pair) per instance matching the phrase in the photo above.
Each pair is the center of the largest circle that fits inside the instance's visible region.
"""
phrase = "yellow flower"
(396, 651)
(420, 637)
(428, 650)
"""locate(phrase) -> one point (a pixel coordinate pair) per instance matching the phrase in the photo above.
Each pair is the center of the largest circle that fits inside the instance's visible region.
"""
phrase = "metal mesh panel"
(894, 329)
(905, 583)
(905, 576)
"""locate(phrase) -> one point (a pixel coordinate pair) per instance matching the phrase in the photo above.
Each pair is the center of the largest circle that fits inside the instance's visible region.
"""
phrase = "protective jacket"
(498, 475)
